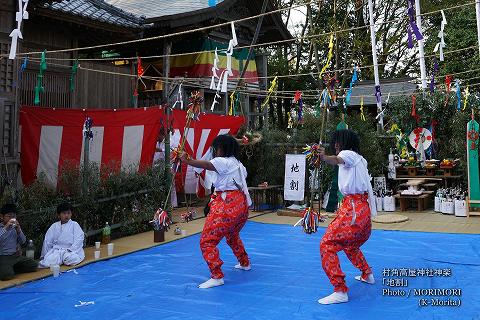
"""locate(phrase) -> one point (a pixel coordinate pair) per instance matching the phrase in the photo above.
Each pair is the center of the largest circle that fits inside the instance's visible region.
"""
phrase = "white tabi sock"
(240, 267)
(370, 279)
(210, 283)
(336, 297)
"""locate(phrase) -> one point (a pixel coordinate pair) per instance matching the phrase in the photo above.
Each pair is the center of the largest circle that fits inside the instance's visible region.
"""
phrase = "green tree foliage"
(125, 197)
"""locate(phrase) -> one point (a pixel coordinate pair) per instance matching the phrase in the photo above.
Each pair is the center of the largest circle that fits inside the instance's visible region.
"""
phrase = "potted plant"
(412, 166)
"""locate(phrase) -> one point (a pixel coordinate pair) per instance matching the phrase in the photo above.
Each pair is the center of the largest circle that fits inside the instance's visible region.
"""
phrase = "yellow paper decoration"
(271, 90)
(394, 128)
(362, 115)
(465, 102)
(290, 121)
(232, 100)
(404, 153)
(329, 56)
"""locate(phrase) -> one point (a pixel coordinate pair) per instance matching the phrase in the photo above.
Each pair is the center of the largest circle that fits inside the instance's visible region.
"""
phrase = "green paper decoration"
(72, 75)
(39, 88)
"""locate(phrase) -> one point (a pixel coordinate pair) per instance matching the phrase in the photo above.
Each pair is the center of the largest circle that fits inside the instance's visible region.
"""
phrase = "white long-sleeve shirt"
(353, 177)
(230, 174)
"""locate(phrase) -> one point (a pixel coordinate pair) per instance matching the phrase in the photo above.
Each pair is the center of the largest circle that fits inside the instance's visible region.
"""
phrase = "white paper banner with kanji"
(294, 187)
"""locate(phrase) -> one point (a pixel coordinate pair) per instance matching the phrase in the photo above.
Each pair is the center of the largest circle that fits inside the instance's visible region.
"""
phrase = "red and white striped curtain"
(123, 139)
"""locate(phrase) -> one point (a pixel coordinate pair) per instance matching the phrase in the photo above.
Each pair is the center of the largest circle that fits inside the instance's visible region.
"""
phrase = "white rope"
(318, 35)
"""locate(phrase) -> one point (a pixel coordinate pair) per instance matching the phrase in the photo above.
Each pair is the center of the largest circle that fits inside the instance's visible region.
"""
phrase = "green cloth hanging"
(72, 75)
(335, 195)
(39, 88)
(318, 108)
(237, 103)
(333, 198)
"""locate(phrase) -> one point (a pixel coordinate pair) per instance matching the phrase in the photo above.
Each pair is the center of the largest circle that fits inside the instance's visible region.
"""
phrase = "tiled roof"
(97, 10)
(160, 8)
(367, 90)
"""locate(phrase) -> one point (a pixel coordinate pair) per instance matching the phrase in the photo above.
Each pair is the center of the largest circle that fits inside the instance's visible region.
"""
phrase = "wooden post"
(265, 74)
(166, 73)
(246, 102)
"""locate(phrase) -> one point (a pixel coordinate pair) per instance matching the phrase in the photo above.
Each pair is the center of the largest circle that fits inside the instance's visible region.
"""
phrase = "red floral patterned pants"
(226, 219)
(348, 232)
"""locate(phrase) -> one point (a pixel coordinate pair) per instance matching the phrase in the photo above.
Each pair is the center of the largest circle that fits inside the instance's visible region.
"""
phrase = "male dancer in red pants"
(228, 209)
(352, 226)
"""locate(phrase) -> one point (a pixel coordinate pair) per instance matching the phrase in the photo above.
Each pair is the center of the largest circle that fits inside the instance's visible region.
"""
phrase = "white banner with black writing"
(294, 187)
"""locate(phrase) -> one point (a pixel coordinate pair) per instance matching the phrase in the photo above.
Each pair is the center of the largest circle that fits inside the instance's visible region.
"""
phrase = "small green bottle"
(106, 234)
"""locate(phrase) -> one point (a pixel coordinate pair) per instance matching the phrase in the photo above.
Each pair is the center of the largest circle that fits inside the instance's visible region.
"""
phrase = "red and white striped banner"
(53, 138)
(122, 139)
(199, 139)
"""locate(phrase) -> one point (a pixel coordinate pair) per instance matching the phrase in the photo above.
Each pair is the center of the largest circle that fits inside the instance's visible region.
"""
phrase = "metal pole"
(374, 55)
(166, 88)
(86, 165)
(421, 51)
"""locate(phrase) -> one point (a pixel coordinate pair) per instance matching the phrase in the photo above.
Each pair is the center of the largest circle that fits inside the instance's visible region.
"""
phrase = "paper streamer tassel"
(459, 95)
(234, 35)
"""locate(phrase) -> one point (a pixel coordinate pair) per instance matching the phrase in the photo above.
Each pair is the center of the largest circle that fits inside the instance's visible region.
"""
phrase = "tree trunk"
(299, 48)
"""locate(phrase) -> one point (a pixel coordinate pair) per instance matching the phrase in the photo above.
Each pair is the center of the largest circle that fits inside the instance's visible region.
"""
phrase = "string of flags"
(352, 83)
(222, 85)
(22, 14)
(219, 82)
(412, 27)
(441, 35)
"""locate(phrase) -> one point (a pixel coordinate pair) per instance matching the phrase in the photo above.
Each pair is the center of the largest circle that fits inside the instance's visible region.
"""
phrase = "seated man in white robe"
(63, 242)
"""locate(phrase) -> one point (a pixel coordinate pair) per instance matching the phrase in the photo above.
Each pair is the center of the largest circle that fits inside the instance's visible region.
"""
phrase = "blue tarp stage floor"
(285, 282)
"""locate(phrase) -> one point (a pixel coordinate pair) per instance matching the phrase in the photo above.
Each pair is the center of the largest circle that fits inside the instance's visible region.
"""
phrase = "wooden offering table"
(406, 200)
(409, 197)
(266, 198)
